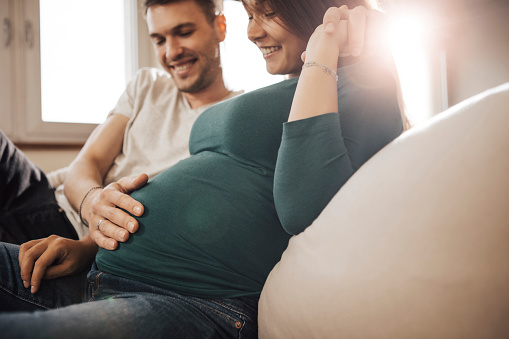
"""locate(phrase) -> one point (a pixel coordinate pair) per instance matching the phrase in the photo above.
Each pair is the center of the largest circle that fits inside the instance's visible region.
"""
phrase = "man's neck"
(214, 93)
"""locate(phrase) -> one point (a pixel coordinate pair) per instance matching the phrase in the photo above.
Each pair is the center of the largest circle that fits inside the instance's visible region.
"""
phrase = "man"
(146, 132)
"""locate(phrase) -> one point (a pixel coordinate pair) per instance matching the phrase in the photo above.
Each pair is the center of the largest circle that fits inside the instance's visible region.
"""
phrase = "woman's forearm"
(316, 94)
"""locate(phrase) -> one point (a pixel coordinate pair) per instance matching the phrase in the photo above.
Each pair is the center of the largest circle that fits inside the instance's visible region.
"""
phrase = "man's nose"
(173, 49)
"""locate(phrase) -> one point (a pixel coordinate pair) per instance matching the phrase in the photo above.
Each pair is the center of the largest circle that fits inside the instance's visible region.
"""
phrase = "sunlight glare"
(408, 41)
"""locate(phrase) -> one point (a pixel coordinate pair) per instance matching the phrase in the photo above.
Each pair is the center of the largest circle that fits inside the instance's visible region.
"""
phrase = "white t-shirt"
(156, 135)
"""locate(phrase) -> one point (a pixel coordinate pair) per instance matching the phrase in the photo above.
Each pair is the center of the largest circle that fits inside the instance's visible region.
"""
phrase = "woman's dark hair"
(301, 17)
(208, 6)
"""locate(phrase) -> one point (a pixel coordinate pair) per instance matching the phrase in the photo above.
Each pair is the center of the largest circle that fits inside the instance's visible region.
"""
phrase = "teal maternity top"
(217, 222)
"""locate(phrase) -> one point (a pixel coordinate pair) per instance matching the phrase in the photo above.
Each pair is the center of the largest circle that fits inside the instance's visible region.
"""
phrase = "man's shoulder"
(151, 77)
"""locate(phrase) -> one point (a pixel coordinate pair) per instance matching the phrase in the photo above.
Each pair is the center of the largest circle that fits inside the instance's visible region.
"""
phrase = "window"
(63, 64)
(242, 62)
(421, 66)
(6, 61)
(83, 62)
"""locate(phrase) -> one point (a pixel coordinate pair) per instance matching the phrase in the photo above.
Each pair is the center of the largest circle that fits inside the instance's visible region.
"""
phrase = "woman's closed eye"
(270, 15)
(267, 15)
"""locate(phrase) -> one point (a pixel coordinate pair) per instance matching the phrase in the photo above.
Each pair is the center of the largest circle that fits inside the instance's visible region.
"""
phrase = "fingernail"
(329, 28)
(130, 226)
(122, 234)
(32, 290)
(26, 284)
(356, 52)
(137, 210)
(111, 243)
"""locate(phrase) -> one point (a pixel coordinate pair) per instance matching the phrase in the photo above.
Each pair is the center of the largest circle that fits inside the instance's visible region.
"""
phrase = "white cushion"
(415, 245)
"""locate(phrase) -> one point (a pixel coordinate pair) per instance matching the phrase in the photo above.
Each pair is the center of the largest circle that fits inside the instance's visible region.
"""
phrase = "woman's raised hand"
(346, 33)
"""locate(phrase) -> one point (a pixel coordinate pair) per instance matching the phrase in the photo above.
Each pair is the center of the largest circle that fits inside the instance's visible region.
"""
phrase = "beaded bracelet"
(324, 68)
(82, 201)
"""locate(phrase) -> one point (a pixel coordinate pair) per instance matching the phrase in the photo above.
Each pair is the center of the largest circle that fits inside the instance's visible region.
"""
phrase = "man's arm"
(88, 170)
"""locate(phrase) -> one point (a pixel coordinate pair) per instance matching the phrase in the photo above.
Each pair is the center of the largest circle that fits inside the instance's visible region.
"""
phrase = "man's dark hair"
(208, 6)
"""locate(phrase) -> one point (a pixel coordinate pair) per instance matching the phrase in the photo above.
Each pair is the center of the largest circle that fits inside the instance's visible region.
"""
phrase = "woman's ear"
(221, 26)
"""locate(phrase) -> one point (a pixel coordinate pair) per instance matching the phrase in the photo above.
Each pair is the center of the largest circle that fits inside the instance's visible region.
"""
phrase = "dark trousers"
(28, 208)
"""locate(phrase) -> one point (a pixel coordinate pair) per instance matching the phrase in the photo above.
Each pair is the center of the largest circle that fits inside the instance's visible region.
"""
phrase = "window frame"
(6, 69)
(21, 119)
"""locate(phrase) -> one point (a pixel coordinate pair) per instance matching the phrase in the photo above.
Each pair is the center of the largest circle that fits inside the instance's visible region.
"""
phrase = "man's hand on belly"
(110, 222)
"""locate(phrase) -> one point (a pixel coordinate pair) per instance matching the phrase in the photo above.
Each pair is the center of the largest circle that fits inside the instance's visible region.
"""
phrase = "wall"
(50, 158)
(478, 55)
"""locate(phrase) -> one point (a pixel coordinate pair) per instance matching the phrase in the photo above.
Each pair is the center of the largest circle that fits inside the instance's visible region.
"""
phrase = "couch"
(415, 245)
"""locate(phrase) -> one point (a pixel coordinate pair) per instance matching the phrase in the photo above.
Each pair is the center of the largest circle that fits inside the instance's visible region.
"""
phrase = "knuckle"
(103, 193)
(104, 243)
(343, 11)
(110, 215)
(331, 10)
(115, 186)
(58, 242)
(120, 181)
(29, 254)
(39, 265)
(332, 14)
(119, 233)
(104, 228)
(359, 9)
(98, 233)
(122, 199)
(95, 195)
(357, 16)
(95, 208)
(125, 219)
(111, 186)
(97, 236)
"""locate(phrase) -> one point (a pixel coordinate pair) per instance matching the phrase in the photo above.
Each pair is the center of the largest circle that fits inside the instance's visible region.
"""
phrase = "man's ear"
(221, 26)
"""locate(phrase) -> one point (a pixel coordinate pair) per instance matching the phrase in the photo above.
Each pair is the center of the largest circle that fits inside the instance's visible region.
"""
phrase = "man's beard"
(208, 72)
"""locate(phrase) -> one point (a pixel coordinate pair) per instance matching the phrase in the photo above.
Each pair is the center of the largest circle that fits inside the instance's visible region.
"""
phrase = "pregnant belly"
(209, 221)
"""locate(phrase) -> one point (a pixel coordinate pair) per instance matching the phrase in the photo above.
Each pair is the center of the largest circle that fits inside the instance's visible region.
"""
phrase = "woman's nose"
(255, 30)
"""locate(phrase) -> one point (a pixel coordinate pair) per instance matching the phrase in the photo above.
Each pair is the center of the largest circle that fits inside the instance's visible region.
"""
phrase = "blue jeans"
(109, 306)
(28, 208)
